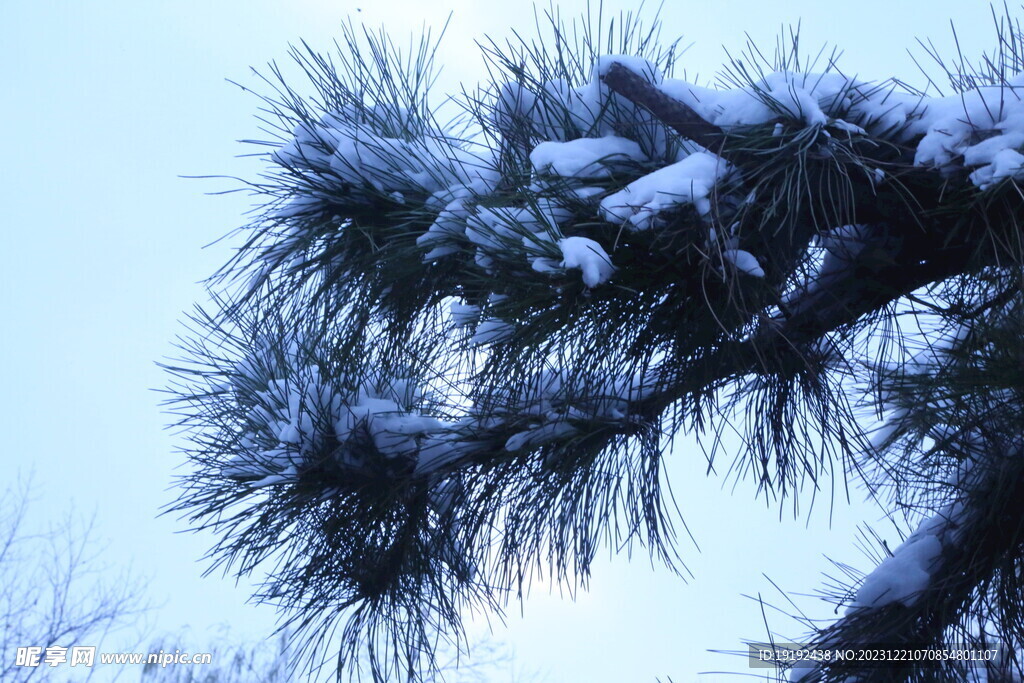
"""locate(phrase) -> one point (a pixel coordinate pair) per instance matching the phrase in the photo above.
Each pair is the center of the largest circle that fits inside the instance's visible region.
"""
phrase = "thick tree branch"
(931, 228)
(982, 541)
(670, 111)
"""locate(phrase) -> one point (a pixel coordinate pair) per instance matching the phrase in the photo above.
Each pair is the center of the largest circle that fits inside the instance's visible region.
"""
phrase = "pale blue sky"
(107, 103)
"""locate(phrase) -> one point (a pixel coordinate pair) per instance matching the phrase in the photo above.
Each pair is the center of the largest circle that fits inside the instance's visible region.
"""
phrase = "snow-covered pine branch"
(448, 352)
(953, 454)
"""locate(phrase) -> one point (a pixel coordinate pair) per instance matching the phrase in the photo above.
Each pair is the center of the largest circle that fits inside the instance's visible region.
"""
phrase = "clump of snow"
(937, 348)
(811, 99)
(555, 111)
(884, 434)
(689, 181)
(589, 256)
(984, 126)
(297, 418)
(952, 126)
(981, 129)
(514, 105)
(986, 151)
(450, 224)
(585, 157)
(903, 576)
(512, 232)
(465, 191)
(1006, 164)
(443, 449)
(743, 261)
(543, 264)
(556, 401)
(497, 232)
(908, 572)
(585, 193)
(343, 149)
(488, 227)
(814, 99)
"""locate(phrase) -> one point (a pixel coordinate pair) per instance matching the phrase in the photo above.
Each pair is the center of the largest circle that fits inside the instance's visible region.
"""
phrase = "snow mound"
(743, 261)
(309, 420)
(903, 576)
(585, 157)
(689, 181)
(342, 150)
(589, 257)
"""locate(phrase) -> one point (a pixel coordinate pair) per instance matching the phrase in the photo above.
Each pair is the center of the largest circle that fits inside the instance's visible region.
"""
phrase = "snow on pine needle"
(457, 340)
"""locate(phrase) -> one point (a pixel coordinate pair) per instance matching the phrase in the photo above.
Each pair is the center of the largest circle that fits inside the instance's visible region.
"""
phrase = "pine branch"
(960, 571)
(983, 540)
(920, 236)
(673, 113)
(456, 356)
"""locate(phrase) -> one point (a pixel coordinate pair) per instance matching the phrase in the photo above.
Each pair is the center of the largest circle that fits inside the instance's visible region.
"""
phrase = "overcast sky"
(107, 104)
